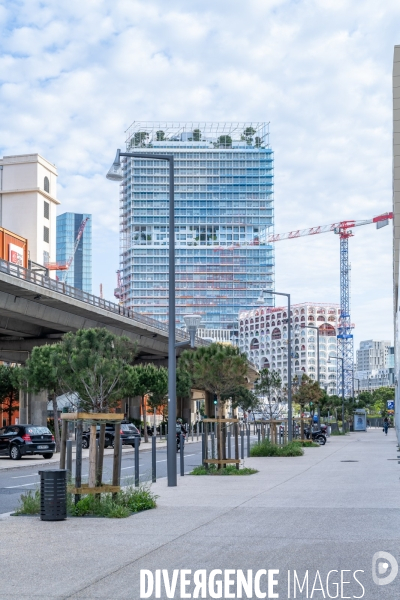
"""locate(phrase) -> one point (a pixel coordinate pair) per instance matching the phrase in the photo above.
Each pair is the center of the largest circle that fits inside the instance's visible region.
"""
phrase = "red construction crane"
(345, 327)
(342, 227)
(57, 266)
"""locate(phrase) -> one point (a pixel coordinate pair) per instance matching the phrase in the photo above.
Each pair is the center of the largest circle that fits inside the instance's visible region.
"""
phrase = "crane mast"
(345, 336)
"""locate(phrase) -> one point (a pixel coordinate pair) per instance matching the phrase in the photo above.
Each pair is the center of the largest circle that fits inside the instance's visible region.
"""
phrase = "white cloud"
(76, 74)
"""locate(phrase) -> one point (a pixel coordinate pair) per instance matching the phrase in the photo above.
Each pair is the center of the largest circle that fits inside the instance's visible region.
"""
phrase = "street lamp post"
(358, 386)
(115, 174)
(317, 329)
(342, 359)
(290, 410)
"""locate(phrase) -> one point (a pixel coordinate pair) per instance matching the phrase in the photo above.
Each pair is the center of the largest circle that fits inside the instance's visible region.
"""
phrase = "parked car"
(128, 434)
(109, 439)
(19, 440)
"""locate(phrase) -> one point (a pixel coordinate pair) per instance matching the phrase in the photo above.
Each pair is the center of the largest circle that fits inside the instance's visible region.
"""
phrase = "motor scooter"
(317, 436)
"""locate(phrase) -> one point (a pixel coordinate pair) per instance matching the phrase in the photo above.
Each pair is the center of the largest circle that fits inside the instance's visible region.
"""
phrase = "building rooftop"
(145, 134)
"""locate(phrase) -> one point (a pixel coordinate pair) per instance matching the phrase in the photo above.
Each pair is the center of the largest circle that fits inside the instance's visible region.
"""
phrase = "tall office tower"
(79, 275)
(28, 201)
(223, 207)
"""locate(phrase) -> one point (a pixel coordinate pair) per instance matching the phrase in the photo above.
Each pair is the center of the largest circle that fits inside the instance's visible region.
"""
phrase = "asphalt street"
(15, 481)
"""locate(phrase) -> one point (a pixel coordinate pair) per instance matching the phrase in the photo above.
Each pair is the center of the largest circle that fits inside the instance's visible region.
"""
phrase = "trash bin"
(53, 495)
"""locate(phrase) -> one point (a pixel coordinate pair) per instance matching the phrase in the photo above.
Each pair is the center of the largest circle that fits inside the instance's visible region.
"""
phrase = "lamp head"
(192, 323)
(115, 171)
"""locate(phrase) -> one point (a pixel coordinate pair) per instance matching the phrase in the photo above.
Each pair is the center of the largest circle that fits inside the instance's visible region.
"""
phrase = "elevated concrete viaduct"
(36, 310)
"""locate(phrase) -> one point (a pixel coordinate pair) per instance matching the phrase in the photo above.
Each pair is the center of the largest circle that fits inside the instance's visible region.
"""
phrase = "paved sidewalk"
(331, 509)
(6, 463)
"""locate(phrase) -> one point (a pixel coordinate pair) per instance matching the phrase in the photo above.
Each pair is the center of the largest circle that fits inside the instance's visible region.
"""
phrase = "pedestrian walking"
(385, 425)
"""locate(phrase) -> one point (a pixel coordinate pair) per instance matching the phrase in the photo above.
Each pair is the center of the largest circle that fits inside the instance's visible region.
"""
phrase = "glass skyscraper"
(224, 211)
(79, 275)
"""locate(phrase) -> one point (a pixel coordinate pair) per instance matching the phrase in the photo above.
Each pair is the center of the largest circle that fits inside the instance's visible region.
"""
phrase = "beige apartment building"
(28, 201)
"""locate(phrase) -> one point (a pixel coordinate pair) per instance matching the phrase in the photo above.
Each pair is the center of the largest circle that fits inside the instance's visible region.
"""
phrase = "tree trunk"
(236, 430)
(223, 434)
(100, 457)
(56, 426)
(146, 437)
(219, 432)
(92, 456)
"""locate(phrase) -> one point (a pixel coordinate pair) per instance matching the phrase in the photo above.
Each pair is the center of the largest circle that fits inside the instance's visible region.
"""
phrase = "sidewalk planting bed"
(228, 470)
(266, 448)
(127, 502)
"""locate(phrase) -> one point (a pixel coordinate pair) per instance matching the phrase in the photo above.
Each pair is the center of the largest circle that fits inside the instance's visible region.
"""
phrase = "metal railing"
(57, 286)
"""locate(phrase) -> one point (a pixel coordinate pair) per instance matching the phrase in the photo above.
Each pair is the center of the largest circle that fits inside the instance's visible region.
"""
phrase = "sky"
(74, 75)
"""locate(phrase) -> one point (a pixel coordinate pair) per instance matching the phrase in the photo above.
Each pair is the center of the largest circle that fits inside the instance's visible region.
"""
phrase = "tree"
(157, 400)
(92, 366)
(380, 398)
(225, 141)
(160, 136)
(248, 134)
(41, 373)
(183, 385)
(220, 370)
(244, 399)
(147, 379)
(196, 135)
(139, 138)
(269, 387)
(9, 391)
(308, 392)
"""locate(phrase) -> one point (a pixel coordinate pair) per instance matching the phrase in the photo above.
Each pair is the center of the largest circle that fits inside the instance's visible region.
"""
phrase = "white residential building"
(28, 201)
(263, 334)
(372, 355)
(374, 365)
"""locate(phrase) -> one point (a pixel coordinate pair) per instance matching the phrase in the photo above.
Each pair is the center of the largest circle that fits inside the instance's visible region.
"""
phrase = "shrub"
(29, 503)
(266, 448)
(229, 470)
(306, 443)
(126, 502)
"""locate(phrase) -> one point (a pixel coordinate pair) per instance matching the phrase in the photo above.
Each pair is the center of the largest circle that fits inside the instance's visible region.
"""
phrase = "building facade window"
(223, 200)
(46, 185)
(46, 235)
(46, 210)
(79, 274)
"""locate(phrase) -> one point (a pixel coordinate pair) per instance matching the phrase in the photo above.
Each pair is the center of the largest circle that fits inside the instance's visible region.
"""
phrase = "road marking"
(190, 455)
(9, 487)
(165, 460)
(22, 476)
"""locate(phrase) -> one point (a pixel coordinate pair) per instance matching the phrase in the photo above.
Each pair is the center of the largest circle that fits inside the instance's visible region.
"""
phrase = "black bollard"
(153, 459)
(182, 455)
(137, 461)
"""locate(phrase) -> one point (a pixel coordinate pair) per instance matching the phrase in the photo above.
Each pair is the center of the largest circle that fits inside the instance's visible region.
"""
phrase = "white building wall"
(22, 202)
(263, 336)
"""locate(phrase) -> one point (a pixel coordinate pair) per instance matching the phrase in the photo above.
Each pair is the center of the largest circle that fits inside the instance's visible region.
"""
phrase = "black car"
(128, 434)
(109, 439)
(19, 440)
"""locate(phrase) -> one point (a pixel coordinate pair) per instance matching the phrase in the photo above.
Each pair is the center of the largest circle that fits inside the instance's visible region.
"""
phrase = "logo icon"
(384, 568)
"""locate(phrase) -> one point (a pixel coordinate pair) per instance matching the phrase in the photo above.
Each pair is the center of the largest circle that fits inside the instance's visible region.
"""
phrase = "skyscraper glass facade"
(223, 211)
(79, 275)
